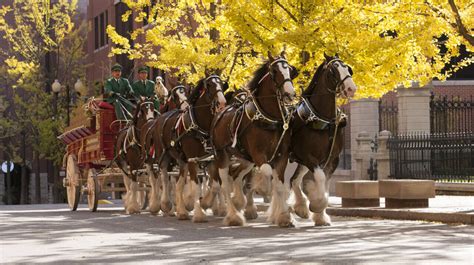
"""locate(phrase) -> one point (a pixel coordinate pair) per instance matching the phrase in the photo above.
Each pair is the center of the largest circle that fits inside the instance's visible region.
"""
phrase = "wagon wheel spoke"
(71, 182)
(93, 190)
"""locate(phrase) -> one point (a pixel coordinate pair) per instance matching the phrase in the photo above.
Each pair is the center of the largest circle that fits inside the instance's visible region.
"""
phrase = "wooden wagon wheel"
(71, 182)
(93, 190)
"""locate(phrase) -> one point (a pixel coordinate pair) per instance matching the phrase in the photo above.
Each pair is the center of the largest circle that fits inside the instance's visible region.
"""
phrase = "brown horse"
(183, 136)
(129, 152)
(175, 98)
(257, 133)
(316, 140)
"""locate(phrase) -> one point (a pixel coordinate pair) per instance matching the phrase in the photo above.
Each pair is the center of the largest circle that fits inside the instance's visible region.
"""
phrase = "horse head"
(282, 74)
(211, 88)
(145, 111)
(179, 96)
(338, 76)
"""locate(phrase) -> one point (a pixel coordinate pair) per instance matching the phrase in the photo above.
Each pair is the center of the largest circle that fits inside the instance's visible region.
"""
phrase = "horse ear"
(270, 57)
(326, 56)
(337, 55)
(293, 72)
(283, 54)
(225, 86)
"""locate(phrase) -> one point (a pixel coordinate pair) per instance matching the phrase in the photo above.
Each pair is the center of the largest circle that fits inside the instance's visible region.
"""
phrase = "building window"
(100, 24)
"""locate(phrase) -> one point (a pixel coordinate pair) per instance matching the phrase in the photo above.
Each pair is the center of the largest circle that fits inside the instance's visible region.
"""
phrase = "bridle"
(212, 97)
(339, 84)
(279, 86)
(172, 93)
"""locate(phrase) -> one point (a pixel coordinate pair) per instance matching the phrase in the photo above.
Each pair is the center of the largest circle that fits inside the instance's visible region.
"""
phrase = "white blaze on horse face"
(149, 113)
(349, 85)
(287, 86)
(183, 100)
(220, 94)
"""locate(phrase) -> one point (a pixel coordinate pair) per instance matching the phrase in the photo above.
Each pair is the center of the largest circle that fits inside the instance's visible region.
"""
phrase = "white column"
(414, 108)
(364, 117)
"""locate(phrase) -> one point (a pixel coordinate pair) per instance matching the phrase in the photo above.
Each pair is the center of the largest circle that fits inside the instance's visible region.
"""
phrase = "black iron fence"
(451, 114)
(388, 116)
(444, 157)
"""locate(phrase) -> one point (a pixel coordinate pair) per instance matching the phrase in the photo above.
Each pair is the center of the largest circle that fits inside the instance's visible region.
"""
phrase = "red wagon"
(89, 159)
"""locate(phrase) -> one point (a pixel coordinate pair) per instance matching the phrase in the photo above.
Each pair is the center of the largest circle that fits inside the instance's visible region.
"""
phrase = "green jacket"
(121, 87)
(146, 89)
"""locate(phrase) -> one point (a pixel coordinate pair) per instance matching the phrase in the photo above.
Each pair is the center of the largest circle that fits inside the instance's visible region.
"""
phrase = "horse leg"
(239, 199)
(181, 211)
(199, 214)
(209, 199)
(166, 205)
(261, 181)
(133, 207)
(279, 210)
(301, 204)
(155, 190)
(188, 193)
(318, 197)
(250, 209)
(126, 182)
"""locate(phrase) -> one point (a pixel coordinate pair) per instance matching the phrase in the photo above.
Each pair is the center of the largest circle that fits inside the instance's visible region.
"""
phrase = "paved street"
(50, 233)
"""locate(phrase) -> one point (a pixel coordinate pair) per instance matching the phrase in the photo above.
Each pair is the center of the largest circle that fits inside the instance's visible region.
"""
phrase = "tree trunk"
(24, 175)
(37, 179)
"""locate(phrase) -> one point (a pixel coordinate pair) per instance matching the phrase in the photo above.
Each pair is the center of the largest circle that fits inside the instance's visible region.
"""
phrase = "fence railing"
(451, 114)
(444, 157)
(388, 116)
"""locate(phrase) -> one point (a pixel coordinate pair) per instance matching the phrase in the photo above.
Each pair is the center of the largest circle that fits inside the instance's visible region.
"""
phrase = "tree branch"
(460, 26)
(287, 11)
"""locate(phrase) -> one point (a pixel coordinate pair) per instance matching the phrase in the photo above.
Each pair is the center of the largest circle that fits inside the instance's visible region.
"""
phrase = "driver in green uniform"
(144, 87)
(118, 92)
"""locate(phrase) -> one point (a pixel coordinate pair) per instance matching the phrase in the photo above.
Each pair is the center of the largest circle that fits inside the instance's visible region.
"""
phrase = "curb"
(396, 214)
(461, 218)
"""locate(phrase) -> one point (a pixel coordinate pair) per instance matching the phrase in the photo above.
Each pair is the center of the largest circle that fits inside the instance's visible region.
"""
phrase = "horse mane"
(312, 85)
(196, 92)
(257, 76)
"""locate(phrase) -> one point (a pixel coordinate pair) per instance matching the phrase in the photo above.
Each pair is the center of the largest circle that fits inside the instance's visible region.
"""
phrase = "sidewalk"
(444, 209)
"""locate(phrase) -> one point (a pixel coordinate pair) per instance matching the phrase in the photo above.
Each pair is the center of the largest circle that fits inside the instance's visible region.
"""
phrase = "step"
(407, 193)
(358, 193)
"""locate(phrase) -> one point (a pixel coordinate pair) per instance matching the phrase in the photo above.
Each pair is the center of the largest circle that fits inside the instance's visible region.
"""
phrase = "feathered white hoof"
(189, 204)
(284, 220)
(236, 219)
(182, 216)
(166, 207)
(208, 200)
(250, 212)
(199, 217)
(301, 209)
(239, 202)
(154, 207)
(321, 219)
(133, 208)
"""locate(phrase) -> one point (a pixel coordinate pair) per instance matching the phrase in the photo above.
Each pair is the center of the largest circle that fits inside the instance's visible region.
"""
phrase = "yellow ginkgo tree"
(187, 38)
(388, 43)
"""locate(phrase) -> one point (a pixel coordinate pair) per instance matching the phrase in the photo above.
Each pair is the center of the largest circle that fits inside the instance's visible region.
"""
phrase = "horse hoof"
(284, 220)
(251, 213)
(321, 219)
(199, 219)
(154, 208)
(189, 205)
(233, 220)
(302, 211)
(183, 216)
(166, 207)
